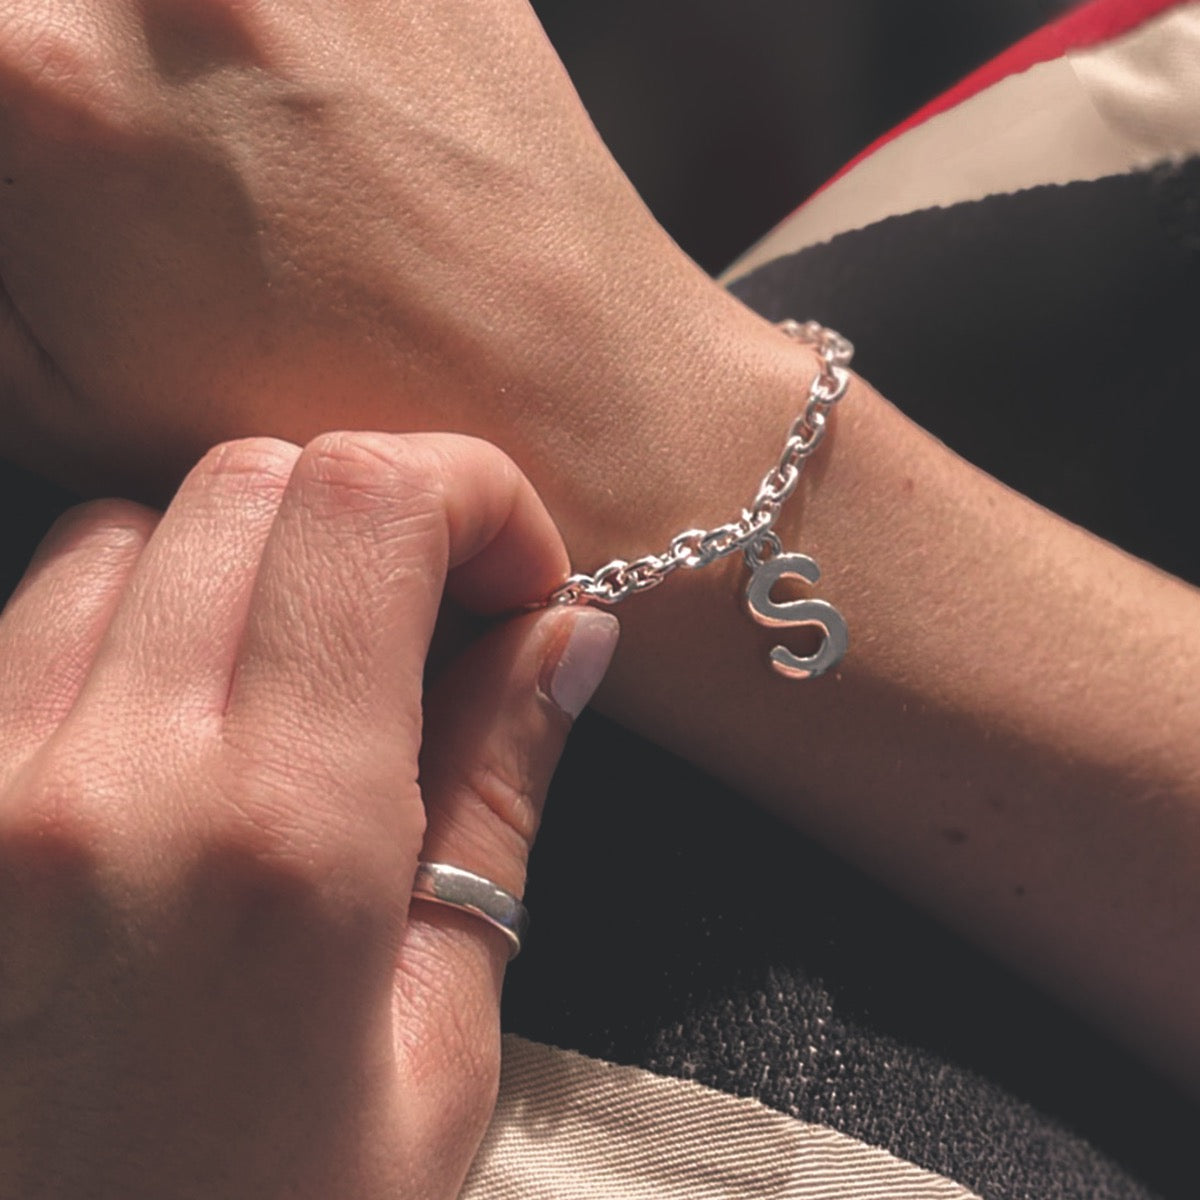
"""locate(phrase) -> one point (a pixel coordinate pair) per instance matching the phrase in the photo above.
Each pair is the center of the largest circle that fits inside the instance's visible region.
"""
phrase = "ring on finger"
(454, 887)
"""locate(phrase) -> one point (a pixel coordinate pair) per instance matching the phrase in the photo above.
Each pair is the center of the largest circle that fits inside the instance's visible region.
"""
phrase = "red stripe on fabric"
(1088, 25)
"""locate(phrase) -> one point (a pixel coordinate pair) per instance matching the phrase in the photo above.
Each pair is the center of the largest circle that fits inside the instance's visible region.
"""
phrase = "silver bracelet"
(754, 532)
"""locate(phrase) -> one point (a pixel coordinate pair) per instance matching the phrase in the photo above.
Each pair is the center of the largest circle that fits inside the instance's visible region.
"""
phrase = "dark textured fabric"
(678, 929)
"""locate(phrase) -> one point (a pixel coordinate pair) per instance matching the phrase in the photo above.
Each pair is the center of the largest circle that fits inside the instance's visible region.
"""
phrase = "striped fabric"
(1121, 94)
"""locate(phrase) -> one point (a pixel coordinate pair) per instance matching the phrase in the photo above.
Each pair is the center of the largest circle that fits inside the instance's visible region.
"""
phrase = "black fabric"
(678, 929)
(1052, 337)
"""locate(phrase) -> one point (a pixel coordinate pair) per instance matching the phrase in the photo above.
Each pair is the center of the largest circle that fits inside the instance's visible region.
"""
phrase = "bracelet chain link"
(753, 532)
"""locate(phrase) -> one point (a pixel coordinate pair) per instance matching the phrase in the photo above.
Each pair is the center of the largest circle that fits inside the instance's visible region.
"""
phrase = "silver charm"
(753, 533)
(821, 613)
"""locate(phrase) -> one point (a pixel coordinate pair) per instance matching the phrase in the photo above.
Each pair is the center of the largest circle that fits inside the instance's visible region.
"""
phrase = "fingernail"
(584, 659)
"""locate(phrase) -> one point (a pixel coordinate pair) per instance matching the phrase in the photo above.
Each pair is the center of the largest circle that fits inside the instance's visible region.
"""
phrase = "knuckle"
(361, 471)
(271, 878)
(256, 463)
(507, 802)
(34, 47)
(109, 526)
(52, 872)
(279, 846)
(490, 820)
(56, 69)
(259, 866)
(53, 820)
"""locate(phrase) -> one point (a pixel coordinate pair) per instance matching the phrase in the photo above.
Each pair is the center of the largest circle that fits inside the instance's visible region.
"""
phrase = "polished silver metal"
(753, 532)
(796, 612)
(455, 887)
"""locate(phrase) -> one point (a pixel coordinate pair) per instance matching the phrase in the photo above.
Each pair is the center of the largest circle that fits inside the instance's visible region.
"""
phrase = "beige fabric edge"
(568, 1127)
(1121, 105)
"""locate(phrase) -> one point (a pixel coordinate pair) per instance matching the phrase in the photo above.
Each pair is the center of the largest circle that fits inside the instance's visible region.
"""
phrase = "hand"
(210, 817)
(221, 217)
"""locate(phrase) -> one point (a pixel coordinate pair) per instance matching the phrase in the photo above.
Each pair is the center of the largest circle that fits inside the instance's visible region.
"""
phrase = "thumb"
(495, 724)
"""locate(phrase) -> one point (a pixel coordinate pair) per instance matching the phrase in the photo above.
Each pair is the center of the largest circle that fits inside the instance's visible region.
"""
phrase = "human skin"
(257, 216)
(212, 980)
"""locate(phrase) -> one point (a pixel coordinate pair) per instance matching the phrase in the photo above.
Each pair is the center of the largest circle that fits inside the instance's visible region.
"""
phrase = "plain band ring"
(454, 887)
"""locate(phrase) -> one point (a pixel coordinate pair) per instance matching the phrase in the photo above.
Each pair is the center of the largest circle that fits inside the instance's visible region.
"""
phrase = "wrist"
(682, 432)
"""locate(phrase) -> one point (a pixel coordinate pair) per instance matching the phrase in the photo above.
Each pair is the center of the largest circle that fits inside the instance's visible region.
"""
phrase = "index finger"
(343, 607)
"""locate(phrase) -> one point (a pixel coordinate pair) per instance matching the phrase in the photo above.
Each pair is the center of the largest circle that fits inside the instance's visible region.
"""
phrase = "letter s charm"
(796, 612)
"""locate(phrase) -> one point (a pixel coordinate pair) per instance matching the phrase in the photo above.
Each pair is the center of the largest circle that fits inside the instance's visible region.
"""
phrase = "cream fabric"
(1117, 106)
(568, 1127)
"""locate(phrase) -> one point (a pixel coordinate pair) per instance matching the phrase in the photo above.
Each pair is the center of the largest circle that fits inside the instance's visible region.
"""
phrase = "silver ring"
(441, 883)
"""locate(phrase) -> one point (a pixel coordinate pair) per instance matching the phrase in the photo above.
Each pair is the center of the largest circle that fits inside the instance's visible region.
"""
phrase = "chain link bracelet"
(753, 534)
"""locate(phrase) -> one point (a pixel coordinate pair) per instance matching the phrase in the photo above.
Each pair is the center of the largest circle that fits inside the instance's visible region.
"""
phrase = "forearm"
(1012, 740)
